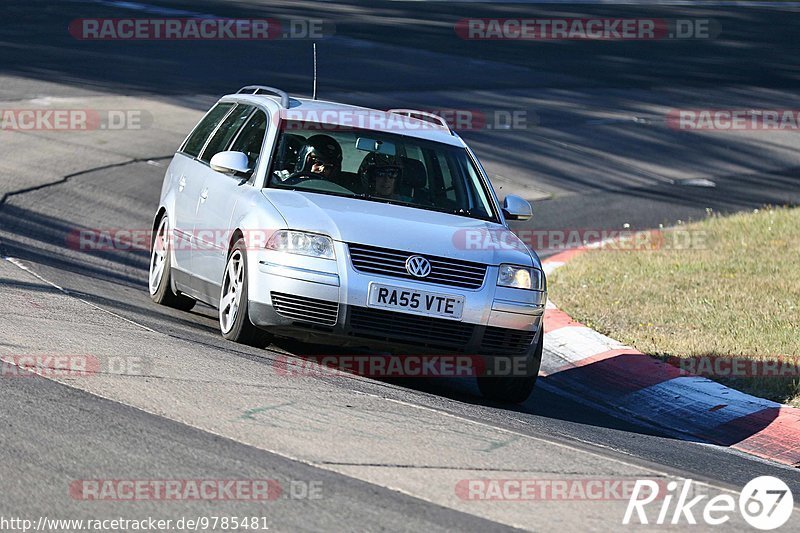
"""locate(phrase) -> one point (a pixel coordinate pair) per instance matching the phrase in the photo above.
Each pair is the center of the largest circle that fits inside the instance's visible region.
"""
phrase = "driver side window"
(251, 138)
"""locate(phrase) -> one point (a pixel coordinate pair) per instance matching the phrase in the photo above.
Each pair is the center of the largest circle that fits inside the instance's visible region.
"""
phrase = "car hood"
(400, 227)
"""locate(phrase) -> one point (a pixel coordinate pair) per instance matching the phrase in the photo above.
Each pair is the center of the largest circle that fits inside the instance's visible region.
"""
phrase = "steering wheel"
(298, 176)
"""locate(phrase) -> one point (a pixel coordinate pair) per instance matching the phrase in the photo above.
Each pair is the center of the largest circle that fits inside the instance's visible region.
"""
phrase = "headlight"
(300, 242)
(520, 277)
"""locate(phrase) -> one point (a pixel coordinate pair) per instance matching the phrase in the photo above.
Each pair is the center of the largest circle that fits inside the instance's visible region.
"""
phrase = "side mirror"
(230, 162)
(516, 208)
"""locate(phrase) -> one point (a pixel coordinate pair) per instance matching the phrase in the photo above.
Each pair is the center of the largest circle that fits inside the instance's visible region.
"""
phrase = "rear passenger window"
(251, 137)
(225, 133)
(197, 139)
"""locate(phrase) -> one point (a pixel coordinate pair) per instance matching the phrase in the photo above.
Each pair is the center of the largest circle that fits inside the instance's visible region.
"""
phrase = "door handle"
(204, 196)
(181, 183)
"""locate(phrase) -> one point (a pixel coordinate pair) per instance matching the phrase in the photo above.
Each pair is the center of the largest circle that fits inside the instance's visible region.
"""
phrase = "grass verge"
(718, 294)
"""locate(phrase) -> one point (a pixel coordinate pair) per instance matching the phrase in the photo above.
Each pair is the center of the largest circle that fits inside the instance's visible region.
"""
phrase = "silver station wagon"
(348, 227)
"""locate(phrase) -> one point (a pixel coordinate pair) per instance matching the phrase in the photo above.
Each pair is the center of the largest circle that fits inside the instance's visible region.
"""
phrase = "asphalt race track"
(174, 401)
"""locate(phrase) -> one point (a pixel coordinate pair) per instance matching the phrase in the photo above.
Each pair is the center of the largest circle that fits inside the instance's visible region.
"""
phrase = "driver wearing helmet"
(381, 173)
(321, 155)
(318, 156)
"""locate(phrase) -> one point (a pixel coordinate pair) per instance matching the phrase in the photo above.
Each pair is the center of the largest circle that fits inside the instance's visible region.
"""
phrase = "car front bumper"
(317, 300)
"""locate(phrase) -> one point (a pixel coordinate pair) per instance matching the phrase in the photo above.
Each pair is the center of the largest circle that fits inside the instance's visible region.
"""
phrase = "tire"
(160, 271)
(234, 322)
(514, 389)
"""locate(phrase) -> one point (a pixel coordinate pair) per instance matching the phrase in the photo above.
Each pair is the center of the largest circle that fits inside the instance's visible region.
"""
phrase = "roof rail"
(255, 89)
(423, 115)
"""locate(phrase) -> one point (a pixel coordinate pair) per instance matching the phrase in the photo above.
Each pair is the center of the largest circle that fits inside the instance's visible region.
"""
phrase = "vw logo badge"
(418, 266)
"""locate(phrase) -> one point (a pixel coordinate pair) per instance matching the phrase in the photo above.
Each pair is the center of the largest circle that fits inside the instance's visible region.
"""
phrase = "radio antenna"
(314, 94)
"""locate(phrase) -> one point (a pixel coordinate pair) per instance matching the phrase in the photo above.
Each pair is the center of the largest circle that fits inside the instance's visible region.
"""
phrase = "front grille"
(502, 341)
(444, 271)
(409, 329)
(304, 309)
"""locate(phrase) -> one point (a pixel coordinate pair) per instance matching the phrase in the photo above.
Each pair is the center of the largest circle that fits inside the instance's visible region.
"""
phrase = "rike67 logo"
(765, 503)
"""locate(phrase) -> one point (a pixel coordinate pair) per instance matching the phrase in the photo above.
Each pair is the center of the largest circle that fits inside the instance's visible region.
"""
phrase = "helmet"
(319, 148)
(375, 164)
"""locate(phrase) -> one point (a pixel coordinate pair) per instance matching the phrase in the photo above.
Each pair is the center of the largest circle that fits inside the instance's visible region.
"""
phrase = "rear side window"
(225, 133)
(251, 137)
(197, 139)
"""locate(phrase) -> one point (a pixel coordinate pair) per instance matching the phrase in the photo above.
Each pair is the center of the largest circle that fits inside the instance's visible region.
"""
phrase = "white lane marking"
(50, 100)
(17, 263)
(697, 182)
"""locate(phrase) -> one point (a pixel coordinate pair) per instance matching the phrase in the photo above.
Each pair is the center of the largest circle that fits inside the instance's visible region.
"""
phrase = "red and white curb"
(627, 383)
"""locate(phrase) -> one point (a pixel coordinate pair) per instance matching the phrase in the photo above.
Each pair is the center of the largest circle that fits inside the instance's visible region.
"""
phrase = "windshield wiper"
(469, 214)
(458, 211)
(369, 197)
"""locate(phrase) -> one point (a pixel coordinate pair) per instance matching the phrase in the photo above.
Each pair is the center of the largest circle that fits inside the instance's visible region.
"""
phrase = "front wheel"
(234, 322)
(160, 278)
(514, 389)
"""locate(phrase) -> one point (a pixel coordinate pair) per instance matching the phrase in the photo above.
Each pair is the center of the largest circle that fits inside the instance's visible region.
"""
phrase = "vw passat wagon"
(352, 227)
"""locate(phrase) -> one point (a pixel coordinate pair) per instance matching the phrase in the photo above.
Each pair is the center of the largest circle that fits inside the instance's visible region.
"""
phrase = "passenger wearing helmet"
(380, 175)
(321, 155)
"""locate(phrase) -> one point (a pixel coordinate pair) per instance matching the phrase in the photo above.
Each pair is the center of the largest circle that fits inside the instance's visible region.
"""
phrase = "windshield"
(381, 167)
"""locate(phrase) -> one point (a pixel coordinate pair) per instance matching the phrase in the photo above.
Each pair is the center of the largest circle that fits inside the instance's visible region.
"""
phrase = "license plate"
(415, 302)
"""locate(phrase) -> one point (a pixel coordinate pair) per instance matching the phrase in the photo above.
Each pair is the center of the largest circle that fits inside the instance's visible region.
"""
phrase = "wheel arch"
(162, 211)
(156, 220)
(235, 236)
